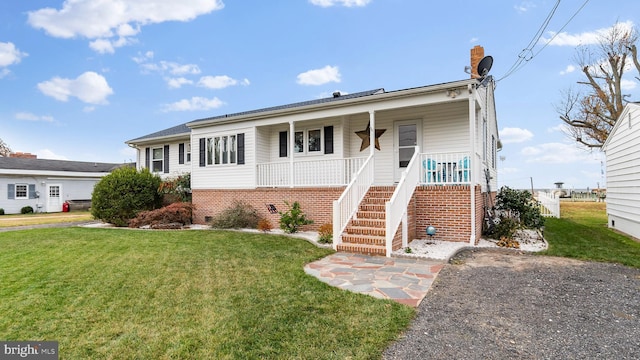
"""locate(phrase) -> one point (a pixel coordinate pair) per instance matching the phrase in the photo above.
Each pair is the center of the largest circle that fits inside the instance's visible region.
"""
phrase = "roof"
(56, 165)
(172, 131)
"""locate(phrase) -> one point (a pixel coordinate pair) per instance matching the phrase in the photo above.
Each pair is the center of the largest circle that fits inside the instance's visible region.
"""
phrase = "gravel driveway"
(489, 304)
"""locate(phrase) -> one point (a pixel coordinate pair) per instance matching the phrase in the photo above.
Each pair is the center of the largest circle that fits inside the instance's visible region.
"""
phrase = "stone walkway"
(403, 280)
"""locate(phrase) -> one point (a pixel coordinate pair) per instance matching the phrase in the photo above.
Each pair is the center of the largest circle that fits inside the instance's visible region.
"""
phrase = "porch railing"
(396, 207)
(549, 204)
(331, 172)
(347, 205)
(445, 168)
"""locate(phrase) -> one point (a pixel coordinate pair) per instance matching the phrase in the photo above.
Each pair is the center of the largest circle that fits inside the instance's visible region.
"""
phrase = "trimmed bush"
(179, 214)
(121, 195)
(26, 210)
(239, 216)
(1, 211)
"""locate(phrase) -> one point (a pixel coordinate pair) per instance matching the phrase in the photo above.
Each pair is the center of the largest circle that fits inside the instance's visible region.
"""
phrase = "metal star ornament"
(365, 135)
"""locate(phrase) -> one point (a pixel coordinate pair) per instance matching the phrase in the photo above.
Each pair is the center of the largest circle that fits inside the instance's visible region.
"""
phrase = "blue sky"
(80, 77)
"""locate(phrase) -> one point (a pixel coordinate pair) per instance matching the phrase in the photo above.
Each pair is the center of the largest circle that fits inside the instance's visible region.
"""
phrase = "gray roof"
(57, 165)
(184, 129)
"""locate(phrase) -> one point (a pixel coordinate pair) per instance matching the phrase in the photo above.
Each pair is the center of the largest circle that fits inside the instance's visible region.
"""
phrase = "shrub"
(265, 225)
(1, 211)
(325, 234)
(121, 195)
(26, 210)
(520, 205)
(292, 219)
(176, 213)
(505, 227)
(239, 216)
(179, 187)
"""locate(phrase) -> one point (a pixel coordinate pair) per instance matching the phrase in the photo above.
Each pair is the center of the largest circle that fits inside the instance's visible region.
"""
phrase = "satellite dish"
(484, 66)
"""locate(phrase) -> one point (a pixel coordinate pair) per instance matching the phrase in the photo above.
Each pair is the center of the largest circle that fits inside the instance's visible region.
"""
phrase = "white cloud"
(515, 135)
(193, 104)
(568, 70)
(220, 82)
(89, 87)
(585, 38)
(557, 153)
(48, 154)
(119, 19)
(320, 76)
(176, 83)
(33, 117)
(347, 3)
(474, 40)
(524, 6)
(9, 54)
(4, 72)
(628, 85)
(172, 68)
(143, 58)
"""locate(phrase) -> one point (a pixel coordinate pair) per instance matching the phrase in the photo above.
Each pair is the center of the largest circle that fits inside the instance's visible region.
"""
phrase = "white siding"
(623, 173)
(175, 169)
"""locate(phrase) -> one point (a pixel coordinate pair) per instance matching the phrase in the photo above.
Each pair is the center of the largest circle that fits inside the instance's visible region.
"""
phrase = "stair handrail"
(347, 204)
(396, 207)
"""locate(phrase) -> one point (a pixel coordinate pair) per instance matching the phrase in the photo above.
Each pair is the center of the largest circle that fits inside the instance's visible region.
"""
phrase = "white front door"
(408, 134)
(54, 198)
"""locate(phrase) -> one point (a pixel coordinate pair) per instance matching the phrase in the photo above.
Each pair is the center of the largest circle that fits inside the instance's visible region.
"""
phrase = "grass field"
(46, 218)
(582, 233)
(117, 293)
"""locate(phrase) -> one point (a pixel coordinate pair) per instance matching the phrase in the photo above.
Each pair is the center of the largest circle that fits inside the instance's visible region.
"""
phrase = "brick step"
(372, 207)
(363, 239)
(364, 214)
(369, 222)
(365, 230)
(375, 200)
(362, 249)
(379, 194)
(383, 188)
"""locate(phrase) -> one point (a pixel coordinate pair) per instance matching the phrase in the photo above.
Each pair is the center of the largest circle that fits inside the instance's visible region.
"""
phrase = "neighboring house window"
(223, 150)
(157, 160)
(21, 191)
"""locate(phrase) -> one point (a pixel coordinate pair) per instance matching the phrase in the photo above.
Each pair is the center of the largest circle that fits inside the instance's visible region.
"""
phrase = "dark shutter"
(241, 149)
(147, 157)
(32, 191)
(181, 153)
(11, 191)
(202, 151)
(166, 159)
(328, 139)
(283, 144)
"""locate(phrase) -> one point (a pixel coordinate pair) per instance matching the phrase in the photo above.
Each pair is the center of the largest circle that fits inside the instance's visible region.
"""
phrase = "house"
(379, 165)
(46, 184)
(622, 149)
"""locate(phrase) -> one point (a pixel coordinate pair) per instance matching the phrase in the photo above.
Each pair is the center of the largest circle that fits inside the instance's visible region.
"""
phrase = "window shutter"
(11, 191)
(283, 144)
(32, 191)
(181, 153)
(166, 159)
(240, 140)
(328, 139)
(147, 157)
(202, 151)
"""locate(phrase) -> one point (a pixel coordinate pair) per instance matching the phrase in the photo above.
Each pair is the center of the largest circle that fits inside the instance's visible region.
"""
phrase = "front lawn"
(116, 293)
(582, 233)
(44, 218)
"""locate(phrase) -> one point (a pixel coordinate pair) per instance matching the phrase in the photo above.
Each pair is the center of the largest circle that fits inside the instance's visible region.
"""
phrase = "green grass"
(44, 218)
(128, 294)
(582, 233)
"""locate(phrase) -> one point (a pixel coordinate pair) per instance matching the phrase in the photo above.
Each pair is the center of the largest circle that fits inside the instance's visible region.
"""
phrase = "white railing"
(549, 204)
(346, 206)
(445, 168)
(396, 207)
(331, 172)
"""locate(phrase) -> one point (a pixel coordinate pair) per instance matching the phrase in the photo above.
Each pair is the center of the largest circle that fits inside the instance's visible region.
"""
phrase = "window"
(314, 137)
(158, 160)
(189, 152)
(222, 150)
(308, 141)
(21, 191)
(54, 191)
(298, 145)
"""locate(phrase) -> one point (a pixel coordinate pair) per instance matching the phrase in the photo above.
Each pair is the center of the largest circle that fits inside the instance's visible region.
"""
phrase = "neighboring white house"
(380, 166)
(46, 184)
(622, 151)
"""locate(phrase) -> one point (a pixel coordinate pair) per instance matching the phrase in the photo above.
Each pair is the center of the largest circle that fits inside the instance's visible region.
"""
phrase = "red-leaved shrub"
(176, 213)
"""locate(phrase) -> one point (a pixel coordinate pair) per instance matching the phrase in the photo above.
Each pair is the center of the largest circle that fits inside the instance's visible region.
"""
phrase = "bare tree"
(5, 150)
(591, 113)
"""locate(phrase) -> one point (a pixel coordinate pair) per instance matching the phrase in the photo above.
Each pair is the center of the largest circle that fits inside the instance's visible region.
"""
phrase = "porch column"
(473, 167)
(372, 132)
(292, 139)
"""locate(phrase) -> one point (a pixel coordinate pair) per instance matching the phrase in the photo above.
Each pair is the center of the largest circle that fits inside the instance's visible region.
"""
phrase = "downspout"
(474, 167)
(292, 138)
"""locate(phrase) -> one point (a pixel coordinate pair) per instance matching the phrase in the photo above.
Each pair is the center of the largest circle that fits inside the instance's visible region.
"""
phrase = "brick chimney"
(477, 53)
(23, 155)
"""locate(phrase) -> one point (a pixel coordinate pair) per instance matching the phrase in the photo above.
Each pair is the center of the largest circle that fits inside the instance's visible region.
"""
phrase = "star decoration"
(366, 134)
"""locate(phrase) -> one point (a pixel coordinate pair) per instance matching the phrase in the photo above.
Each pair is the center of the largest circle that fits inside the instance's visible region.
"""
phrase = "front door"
(54, 198)
(408, 135)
